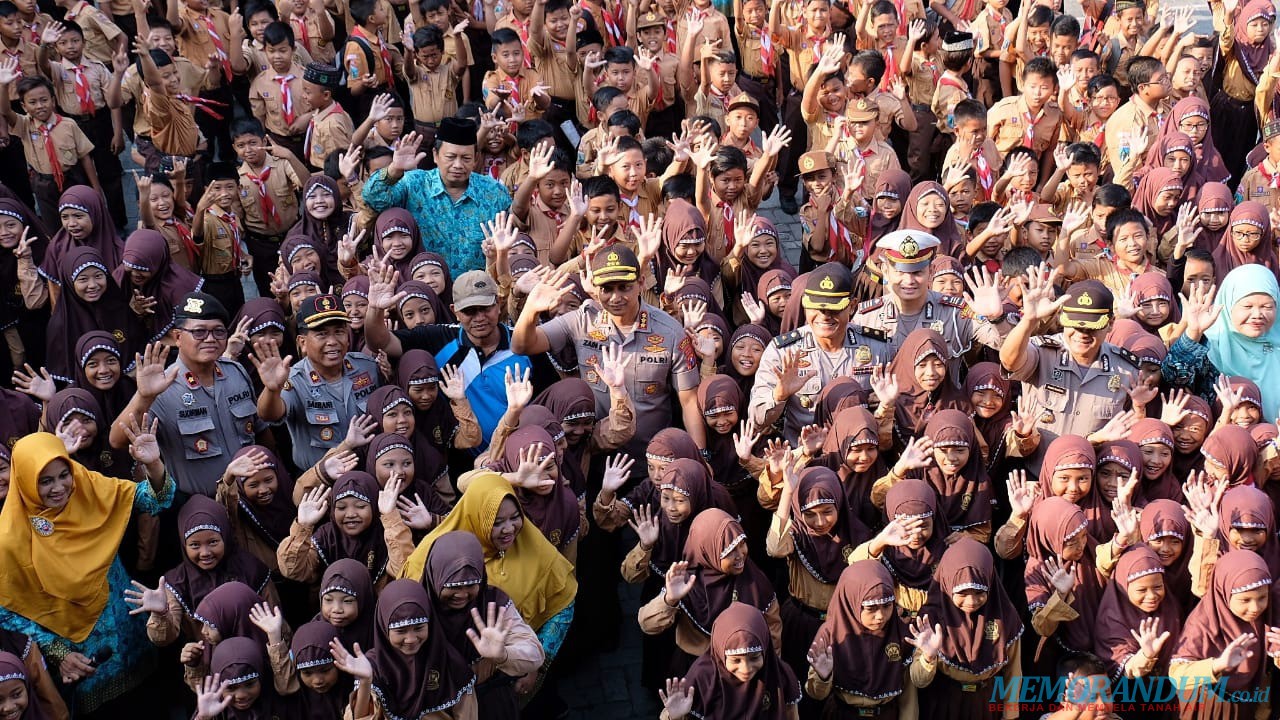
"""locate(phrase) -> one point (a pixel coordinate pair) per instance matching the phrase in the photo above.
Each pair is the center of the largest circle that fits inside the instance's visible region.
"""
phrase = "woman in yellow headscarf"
(61, 581)
(518, 560)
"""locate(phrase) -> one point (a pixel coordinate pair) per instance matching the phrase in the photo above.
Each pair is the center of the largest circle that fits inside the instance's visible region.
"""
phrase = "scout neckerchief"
(384, 57)
(1273, 179)
(727, 214)
(768, 53)
(83, 92)
(219, 45)
(265, 202)
(311, 126)
(300, 30)
(45, 131)
(203, 105)
(286, 97)
(522, 29)
(1029, 125)
(669, 44)
(233, 221)
(188, 242)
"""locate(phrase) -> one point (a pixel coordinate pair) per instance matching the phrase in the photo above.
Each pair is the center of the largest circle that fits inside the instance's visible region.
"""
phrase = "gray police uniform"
(201, 428)
(657, 355)
(949, 316)
(817, 366)
(317, 412)
(1073, 399)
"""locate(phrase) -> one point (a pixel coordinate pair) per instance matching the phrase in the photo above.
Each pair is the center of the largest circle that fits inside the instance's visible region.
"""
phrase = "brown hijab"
(852, 427)
(948, 232)
(691, 479)
(1232, 447)
(964, 499)
(456, 559)
(1074, 452)
(917, 405)
(717, 394)
(712, 536)
(1165, 518)
(910, 566)
(433, 679)
(989, 376)
(1245, 506)
(1150, 431)
(1227, 257)
(1117, 615)
(824, 556)
(718, 694)
(556, 514)
(1211, 625)
(842, 392)
(1054, 521)
(681, 220)
(857, 650)
(983, 640)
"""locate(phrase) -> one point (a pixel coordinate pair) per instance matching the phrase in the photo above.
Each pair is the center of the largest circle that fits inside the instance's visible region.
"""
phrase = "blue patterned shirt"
(449, 227)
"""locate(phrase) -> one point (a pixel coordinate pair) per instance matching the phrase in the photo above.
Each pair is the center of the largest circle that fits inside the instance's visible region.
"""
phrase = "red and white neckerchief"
(522, 29)
(900, 5)
(233, 220)
(311, 126)
(384, 56)
(816, 42)
(265, 201)
(74, 12)
(555, 215)
(1100, 140)
(839, 233)
(716, 97)
(1029, 127)
(16, 56)
(219, 45)
(203, 105)
(51, 149)
(615, 25)
(33, 30)
(300, 30)
(997, 17)
(83, 93)
(286, 97)
(986, 178)
(513, 86)
(890, 66)
(728, 214)
(669, 44)
(1273, 179)
(188, 242)
(633, 212)
(947, 79)
(493, 166)
(768, 53)
(932, 68)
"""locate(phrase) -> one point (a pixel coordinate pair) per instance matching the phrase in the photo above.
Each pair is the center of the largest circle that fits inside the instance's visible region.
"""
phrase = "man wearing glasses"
(205, 403)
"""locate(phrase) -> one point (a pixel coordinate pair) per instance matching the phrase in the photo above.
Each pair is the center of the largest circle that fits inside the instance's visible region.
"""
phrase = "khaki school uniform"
(1008, 123)
(331, 130)
(196, 41)
(311, 35)
(69, 142)
(1256, 185)
(522, 96)
(266, 99)
(173, 124)
(282, 186)
(99, 31)
(218, 233)
(434, 96)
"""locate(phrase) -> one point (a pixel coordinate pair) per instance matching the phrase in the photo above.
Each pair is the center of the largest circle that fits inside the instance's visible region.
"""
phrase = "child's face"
(38, 102)
(509, 58)
(397, 245)
(862, 132)
(249, 148)
(723, 75)
(931, 210)
(629, 171)
(1083, 178)
(391, 127)
(429, 57)
(1026, 182)
(1105, 102)
(652, 38)
(438, 17)
(728, 185)
(11, 28)
(321, 203)
(554, 188)
(1178, 161)
(1153, 312)
(1085, 69)
(1038, 89)
(888, 207)
(300, 293)
(1061, 47)
(1158, 87)
(77, 223)
(585, 50)
(162, 39)
(620, 75)
(245, 694)
(319, 679)
(886, 28)
(71, 46)
(948, 284)
(1204, 56)
(171, 78)
(1194, 126)
(260, 488)
(410, 639)
(378, 20)
(1258, 29)
(969, 601)
(602, 211)
(205, 549)
(762, 251)
(961, 195)
(1132, 22)
(993, 247)
(305, 260)
(754, 13)
(26, 7)
(1130, 242)
(299, 7)
(973, 129)
(744, 356)
(741, 122)
(558, 24)
(986, 402)
(316, 96)
(690, 247)
(1041, 236)
(279, 56)
(258, 24)
(1186, 75)
(818, 15)
(1038, 37)
(424, 395)
(832, 96)
(400, 420)
(398, 460)
(1099, 214)
(223, 192)
(820, 182)
(1167, 202)
(161, 199)
(777, 302)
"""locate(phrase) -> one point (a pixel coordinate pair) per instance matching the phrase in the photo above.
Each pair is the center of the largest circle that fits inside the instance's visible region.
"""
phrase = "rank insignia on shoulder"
(870, 305)
(786, 339)
(875, 334)
(1046, 341)
(953, 301)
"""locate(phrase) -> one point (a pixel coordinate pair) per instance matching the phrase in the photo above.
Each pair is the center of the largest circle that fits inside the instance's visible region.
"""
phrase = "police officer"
(908, 303)
(1078, 380)
(797, 365)
(204, 402)
(320, 394)
(657, 354)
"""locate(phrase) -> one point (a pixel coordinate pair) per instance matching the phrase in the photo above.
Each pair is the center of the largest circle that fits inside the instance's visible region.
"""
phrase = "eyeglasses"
(1194, 126)
(1107, 99)
(1247, 234)
(218, 333)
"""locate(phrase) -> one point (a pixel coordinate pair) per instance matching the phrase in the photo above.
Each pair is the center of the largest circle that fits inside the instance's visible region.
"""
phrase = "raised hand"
(899, 531)
(925, 637)
(39, 384)
(213, 698)
(1061, 575)
(612, 367)
(531, 473)
(812, 438)
(490, 634)
(1037, 296)
(884, 385)
(406, 156)
(348, 246)
(72, 433)
(703, 347)
(9, 72)
(1234, 654)
(984, 291)
(1141, 392)
(744, 441)
(677, 698)
(645, 522)
(617, 470)
(1075, 217)
(1025, 416)
(146, 600)
(453, 382)
(775, 141)
(777, 455)
(143, 446)
(353, 663)
(314, 506)
(1023, 493)
(1199, 312)
(1124, 493)
(577, 200)
(273, 370)
(1173, 408)
(789, 378)
(388, 495)
(269, 620)
(754, 308)
(519, 388)
(649, 237)
(917, 455)
(152, 377)
(1126, 520)
(547, 294)
(679, 581)
(247, 465)
(821, 658)
(1150, 640)
(694, 311)
(1230, 398)
(1204, 497)
(1117, 428)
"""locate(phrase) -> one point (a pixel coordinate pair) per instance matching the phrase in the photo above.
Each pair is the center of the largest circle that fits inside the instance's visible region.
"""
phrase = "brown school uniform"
(640, 100)
(95, 77)
(1257, 185)
(522, 95)
(330, 131)
(99, 31)
(257, 57)
(712, 103)
(717, 222)
(647, 201)
(544, 226)
(950, 92)
(802, 49)
(513, 172)
(434, 95)
(751, 55)
(588, 148)
(877, 156)
(132, 87)
(1129, 117)
(219, 233)
(1010, 119)
(357, 62)
(282, 186)
(891, 111)
(173, 124)
(266, 99)
(311, 35)
(69, 142)
(988, 167)
(178, 250)
(205, 37)
(714, 25)
(558, 68)
(925, 73)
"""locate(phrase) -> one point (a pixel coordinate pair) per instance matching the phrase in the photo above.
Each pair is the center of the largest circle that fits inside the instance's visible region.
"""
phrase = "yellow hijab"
(58, 578)
(539, 579)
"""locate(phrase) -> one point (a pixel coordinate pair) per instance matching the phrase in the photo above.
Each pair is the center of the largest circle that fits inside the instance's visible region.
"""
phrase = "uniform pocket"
(198, 438)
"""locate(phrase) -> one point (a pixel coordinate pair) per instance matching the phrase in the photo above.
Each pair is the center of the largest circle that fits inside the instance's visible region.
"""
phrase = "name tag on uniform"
(1056, 389)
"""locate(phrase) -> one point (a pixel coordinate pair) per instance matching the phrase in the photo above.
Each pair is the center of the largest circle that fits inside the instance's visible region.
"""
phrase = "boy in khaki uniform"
(951, 90)
(436, 12)
(312, 28)
(218, 230)
(510, 83)
(331, 128)
(270, 179)
(858, 147)
(717, 81)
(553, 44)
(1029, 120)
(655, 34)
(1262, 181)
(367, 56)
(172, 121)
(432, 79)
(57, 151)
(276, 97)
(102, 38)
(832, 230)
(208, 35)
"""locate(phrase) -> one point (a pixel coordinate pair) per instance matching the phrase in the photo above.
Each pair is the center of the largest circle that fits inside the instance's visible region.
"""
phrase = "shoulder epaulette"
(1046, 341)
(1127, 355)
(786, 339)
(871, 305)
(953, 301)
(875, 334)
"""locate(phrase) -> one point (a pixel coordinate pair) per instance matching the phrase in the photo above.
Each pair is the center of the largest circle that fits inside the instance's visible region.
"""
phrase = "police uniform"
(318, 411)
(1075, 399)
(202, 428)
(656, 353)
(827, 288)
(911, 251)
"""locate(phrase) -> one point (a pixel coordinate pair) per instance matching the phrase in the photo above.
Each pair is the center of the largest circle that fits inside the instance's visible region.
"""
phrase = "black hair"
(32, 82)
(251, 9)
(604, 95)
(1065, 25)
(656, 153)
(159, 178)
(1040, 16)
(428, 36)
(969, 109)
(1018, 152)
(590, 36)
(1041, 66)
(73, 28)
(725, 57)
(470, 111)
(247, 126)
(930, 29)
(1083, 54)
(1083, 153)
(1100, 82)
(374, 153)
(712, 125)
(532, 132)
(600, 186)
(883, 7)
(727, 158)
(1124, 216)
(625, 119)
(8, 9)
(432, 5)
(1141, 69)
(981, 214)
(504, 36)
(871, 63)
(555, 5)
(1200, 254)
(679, 187)
(1018, 260)
(621, 55)
(1113, 196)
(627, 144)
(560, 160)
(331, 163)
(362, 10)
(156, 22)
(159, 58)
(276, 33)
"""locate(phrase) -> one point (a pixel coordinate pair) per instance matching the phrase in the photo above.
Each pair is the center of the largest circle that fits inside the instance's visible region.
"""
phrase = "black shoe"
(789, 204)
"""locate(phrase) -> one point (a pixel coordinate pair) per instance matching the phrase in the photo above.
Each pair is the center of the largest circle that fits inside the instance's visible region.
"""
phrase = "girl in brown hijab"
(740, 675)
(1189, 435)
(990, 395)
(1227, 637)
(958, 475)
(1067, 472)
(1247, 240)
(1165, 529)
(911, 543)
(714, 573)
(1246, 521)
(746, 346)
(816, 530)
(1063, 586)
(928, 208)
(1137, 602)
(852, 450)
(774, 291)
(684, 249)
(1156, 441)
(549, 502)
(860, 650)
(395, 413)
(980, 636)
(1230, 454)
(924, 388)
